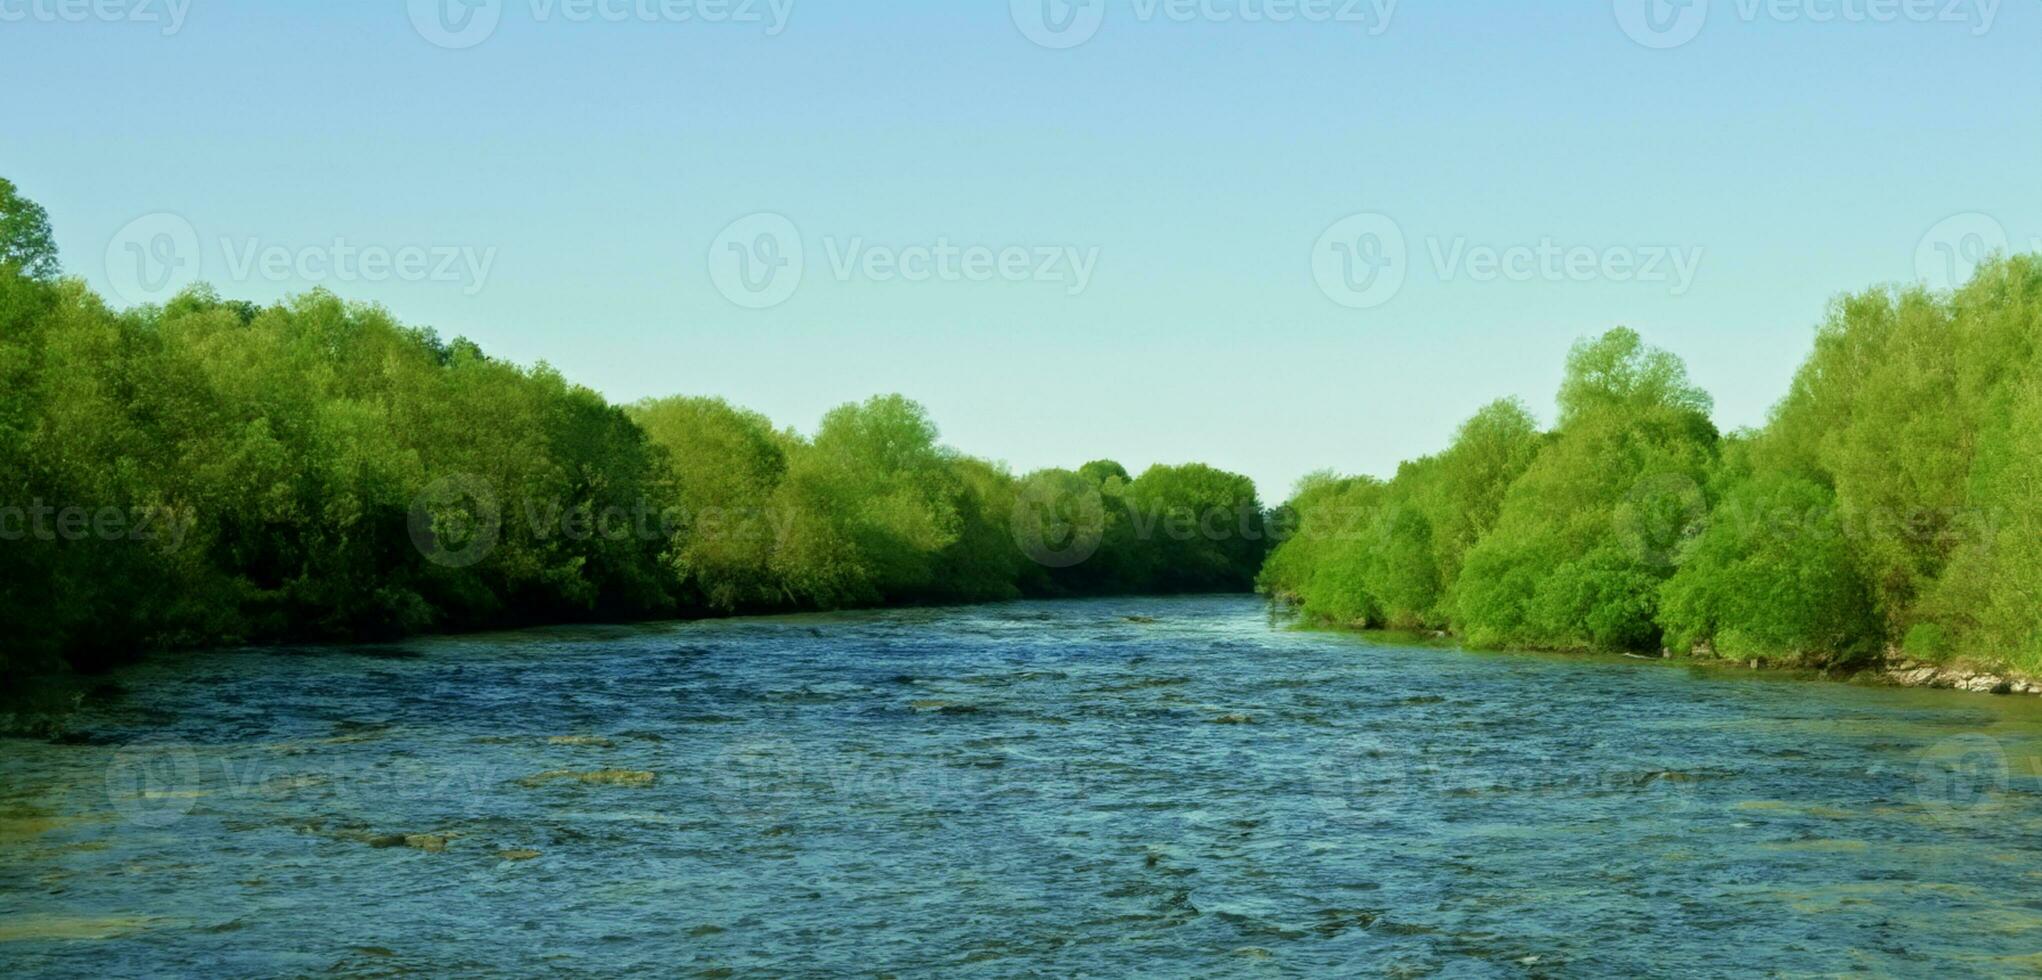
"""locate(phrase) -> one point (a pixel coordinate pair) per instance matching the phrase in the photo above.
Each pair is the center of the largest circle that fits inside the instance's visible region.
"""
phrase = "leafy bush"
(1771, 577)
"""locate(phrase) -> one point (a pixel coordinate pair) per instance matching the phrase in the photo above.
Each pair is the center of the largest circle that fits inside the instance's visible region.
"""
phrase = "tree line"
(212, 472)
(1892, 502)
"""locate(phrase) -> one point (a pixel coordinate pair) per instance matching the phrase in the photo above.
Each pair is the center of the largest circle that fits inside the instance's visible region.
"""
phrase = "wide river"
(1153, 786)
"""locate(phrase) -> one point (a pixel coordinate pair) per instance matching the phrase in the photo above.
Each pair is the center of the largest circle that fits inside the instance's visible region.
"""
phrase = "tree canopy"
(1893, 501)
(210, 471)
(25, 239)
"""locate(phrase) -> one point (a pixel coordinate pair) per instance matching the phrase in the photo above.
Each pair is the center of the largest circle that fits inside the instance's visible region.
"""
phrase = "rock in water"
(599, 777)
(589, 741)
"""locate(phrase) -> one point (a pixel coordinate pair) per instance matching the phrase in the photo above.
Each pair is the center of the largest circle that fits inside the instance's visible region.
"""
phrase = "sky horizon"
(1275, 236)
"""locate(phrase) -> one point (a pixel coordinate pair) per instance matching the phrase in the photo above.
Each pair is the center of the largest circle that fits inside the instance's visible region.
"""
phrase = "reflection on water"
(1163, 786)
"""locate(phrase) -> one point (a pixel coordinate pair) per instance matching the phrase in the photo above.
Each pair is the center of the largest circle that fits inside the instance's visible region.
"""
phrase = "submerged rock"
(518, 854)
(430, 843)
(1234, 719)
(21, 825)
(589, 741)
(50, 928)
(599, 777)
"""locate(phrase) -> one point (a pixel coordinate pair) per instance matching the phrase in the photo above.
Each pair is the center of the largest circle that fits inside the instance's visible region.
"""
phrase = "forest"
(1892, 502)
(212, 472)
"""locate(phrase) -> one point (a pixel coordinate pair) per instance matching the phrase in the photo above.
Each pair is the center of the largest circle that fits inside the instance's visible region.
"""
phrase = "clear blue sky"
(597, 162)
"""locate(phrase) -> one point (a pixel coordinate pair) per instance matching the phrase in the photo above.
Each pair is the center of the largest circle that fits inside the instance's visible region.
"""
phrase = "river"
(1158, 786)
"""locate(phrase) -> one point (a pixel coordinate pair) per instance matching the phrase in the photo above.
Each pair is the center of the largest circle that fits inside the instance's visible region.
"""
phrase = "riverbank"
(1894, 668)
(1913, 673)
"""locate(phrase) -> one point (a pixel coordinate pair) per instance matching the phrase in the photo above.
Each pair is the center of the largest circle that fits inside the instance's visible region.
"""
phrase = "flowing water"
(1164, 787)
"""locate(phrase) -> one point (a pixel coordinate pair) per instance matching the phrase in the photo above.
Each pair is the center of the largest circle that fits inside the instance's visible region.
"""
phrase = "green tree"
(25, 239)
(1321, 563)
(1772, 577)
(867, 505)
(1586, 535)
(1203, 526)
(726, 464)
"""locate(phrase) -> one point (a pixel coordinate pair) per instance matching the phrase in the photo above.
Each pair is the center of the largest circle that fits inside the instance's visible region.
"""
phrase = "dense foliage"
(213, 472)
(210, 471)
(1893, 500)
(25, 239)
